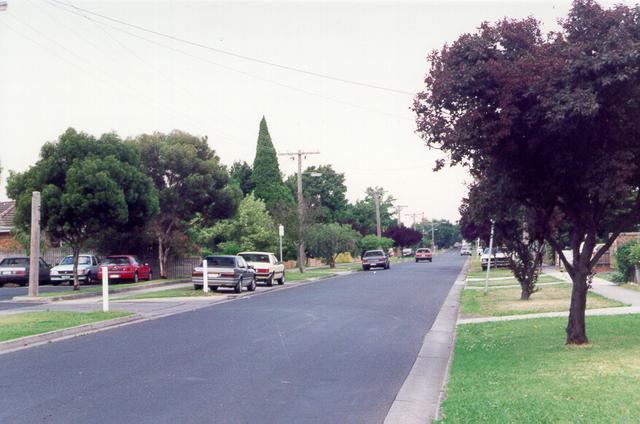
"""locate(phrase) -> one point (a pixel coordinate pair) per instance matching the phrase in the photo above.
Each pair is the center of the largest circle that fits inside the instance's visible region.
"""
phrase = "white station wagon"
(268, 267)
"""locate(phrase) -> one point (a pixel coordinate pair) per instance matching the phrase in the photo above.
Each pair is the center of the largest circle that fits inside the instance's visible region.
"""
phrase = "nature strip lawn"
(29, 323)
(631, 286)
(113, 287)
(543, 278)
(522, 372)
(181, 292)
(506, 301)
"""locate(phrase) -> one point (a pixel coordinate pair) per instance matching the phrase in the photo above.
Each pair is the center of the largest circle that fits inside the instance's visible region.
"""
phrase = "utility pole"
(486, 278)
(300, 154)
(399, 212)
(376, 197)
(34, 254)
(414, 215)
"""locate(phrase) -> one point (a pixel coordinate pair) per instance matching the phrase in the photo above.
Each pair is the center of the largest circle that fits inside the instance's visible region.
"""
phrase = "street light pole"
(378, 226)
(301, 255)
(486, 278)
(34, 254)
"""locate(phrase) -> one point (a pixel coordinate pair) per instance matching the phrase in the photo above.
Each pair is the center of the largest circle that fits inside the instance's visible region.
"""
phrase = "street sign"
(281, 230)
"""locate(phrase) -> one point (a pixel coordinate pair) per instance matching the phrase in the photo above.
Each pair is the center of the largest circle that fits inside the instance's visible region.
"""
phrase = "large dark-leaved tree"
(190, 180)
(90, 187)
(556, 115)
(403, 236)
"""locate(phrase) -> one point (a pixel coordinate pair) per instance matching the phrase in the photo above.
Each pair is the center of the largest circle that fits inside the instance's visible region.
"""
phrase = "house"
(7, 213)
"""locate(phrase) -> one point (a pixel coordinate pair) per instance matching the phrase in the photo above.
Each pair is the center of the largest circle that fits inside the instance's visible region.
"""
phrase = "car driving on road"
(268, 268)
(225, 271)
(87, 270)
(424, 254)
(375, 258)
(15, 269)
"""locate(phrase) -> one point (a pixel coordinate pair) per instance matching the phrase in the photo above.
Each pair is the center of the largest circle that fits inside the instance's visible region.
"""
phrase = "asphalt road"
(335, 351)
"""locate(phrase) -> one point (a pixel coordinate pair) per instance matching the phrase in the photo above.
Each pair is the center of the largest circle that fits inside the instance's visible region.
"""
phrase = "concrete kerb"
(82, 330)
(422, 392)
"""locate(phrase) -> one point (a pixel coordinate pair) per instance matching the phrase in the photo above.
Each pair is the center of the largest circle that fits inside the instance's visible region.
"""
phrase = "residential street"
(333, 351)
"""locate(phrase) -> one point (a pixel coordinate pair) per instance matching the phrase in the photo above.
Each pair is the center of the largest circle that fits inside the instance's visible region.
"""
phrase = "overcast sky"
(60, 67)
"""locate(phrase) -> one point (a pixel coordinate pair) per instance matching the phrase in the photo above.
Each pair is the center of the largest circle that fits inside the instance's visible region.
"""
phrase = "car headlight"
(54, 272)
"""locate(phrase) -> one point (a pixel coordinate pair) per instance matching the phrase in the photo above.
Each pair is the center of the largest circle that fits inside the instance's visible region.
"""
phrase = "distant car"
(268, 268)
(465, 251)
(225, 271)
(407, 251)
(424, 254)
(498, 258)
(87, 270)
(125, 267)
(15, 269)
(375, 258)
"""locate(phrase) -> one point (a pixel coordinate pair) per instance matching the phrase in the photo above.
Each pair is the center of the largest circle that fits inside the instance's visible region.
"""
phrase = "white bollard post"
(105, 289)
(205, 277)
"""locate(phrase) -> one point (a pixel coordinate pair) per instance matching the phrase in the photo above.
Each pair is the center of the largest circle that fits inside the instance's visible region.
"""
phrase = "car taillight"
(227, 274)
(262, 270)
(196, 274)
(20, 272)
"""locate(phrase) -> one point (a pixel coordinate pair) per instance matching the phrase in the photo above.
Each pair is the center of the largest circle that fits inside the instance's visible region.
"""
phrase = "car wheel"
(214, 288)
(252, 286)
(281, 279)
(430, 260)
(417, 260)
(197, 287)
(135, 277)
(238, 287)
(270, 280)
(365, 268)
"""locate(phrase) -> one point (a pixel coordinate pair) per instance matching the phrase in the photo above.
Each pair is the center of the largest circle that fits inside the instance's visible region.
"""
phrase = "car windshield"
(82, 260)
(221, 261)
(373, 253)
(255, 257)
(115, 260)
(422, 251)
(15, 262)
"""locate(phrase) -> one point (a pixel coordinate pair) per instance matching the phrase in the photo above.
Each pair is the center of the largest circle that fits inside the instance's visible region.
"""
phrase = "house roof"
(7, 213)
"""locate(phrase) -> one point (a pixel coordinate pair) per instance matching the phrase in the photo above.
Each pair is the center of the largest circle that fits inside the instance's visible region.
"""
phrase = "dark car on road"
(375, 258)
(15, 269)
(225, 271)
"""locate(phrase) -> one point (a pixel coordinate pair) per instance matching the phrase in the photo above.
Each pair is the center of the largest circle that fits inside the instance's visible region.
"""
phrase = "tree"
(557, 116)
(88, 187)
(266, 176)
(190, 180)
(372, 242)
(328, 240)
(240, 174)
(324, 195)
(362, 214)
(519, 229)
(252, 228)
(446, 234)
(403, 236)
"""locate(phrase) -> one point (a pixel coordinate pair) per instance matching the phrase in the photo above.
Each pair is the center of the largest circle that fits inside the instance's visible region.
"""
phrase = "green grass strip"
(521, 372)
(30, 323)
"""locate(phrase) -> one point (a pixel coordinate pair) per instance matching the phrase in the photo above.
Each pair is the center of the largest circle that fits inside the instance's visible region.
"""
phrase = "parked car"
(479, 251)
(225, 271)
(465, 251)
(87, 270)
(498, 258)
(266, 265)
(424, 254)
(15, 269)
(375, 258)
(407, 251)
(125, 267)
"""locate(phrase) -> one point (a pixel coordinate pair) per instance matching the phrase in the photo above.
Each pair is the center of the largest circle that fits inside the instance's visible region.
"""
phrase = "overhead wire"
(238, 55)
(229, 68)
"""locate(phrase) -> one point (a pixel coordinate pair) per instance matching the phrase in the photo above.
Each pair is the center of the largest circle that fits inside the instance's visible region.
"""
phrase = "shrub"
(344, 258)
(627, 256)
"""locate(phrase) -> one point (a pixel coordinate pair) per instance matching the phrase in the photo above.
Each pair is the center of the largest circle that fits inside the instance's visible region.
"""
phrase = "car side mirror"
(251, 267)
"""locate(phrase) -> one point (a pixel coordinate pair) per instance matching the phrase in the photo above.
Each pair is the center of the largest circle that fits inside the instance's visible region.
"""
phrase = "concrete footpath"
(419, 398)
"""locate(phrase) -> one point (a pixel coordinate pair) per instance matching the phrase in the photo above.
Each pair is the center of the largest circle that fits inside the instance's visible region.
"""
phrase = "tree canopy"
(240, 173)
(556, 115)
(89, 186)
(328, 240)
(403, 236)
(325, 195)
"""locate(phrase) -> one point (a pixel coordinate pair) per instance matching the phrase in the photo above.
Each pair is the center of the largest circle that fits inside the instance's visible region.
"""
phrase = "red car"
(424, 254)
(125, 267)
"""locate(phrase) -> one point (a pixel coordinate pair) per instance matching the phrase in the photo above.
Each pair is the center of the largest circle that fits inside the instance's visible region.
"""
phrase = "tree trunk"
(76, 256)
(162, 258)
(576, 330)
(525, 293)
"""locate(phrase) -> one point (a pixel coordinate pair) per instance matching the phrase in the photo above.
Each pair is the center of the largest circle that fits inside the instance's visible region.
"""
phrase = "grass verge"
(506, 301)
(521, 372)
(182, 292)
(113, 287)
(30, 323)
(630, 286)
(543, 278)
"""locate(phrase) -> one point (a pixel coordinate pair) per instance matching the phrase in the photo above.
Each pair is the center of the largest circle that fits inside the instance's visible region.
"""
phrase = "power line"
(229, 68)
(240, 56)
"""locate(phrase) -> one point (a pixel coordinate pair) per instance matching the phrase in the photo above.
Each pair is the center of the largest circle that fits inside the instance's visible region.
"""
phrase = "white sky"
(59, 69)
